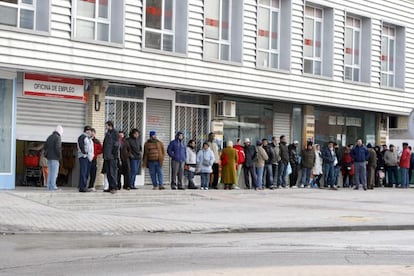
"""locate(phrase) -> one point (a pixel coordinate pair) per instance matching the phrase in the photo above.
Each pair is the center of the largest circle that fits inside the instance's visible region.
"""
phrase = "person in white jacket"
(317, 167)
(205, 161)
(190, 164)
(85, 156)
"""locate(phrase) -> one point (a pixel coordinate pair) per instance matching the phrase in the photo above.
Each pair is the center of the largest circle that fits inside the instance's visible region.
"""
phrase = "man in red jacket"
(405, 165)
(97, 149)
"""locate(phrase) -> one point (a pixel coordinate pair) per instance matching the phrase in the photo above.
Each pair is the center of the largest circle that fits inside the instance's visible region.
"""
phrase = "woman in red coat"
(347, 168)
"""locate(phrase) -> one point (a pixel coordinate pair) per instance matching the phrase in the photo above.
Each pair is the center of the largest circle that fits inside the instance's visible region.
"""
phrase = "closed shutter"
(36, 119)
(281, 125)
(159, 115)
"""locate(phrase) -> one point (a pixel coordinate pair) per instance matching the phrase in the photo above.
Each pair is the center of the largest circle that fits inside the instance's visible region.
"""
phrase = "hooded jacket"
(53, 147)
(177, 149)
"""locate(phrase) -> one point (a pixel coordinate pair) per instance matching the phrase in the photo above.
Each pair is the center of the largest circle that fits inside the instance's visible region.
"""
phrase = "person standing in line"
(294, 163)
(125, 156)
(53, 153)
(120, 172)
(347, 168)
(110, 155)
(97, 150)
(134, 141)
(283, 163)
(317, 167)
(43, 165)
(205, 161)
(405, 165)
(228, 160)
(371, 165)
(85, 156)
(260, 164)
(308, 161)
(215, 149)
(329, 163)
(249, 169)
(360, 156)
(240, 160)
(190, 163)
(154, 153)
(268, 169)
(276, 158)
(391, 163)
(177, 152)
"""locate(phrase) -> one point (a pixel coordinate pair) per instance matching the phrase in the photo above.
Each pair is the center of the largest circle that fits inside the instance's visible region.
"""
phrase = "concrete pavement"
(34, 210)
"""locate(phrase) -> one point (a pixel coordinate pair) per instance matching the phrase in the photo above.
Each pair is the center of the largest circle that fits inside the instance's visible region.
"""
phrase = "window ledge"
(357, 83)
(226, 62)
(98, 42)
(25, 31)
(161, 52)
(321, 77)
(392, 88)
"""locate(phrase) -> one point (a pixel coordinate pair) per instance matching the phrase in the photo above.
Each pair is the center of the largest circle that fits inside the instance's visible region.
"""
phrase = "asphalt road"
(316, 253)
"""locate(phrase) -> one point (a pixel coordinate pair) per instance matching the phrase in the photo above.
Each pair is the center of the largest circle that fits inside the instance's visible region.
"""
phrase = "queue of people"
(265, 165)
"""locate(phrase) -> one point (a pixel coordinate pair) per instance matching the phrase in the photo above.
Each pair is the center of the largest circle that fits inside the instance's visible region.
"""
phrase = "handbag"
(288, 169)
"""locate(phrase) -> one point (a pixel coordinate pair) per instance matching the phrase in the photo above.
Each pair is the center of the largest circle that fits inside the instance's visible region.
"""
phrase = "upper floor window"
(318, 41)
(268, 30)
(352, 49)
(25, 14)
(392, 56)
(223, 23)
(357, 51)
(100, 20)
(166, 25)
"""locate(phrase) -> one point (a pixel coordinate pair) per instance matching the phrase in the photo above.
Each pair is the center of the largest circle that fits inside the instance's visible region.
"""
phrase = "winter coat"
(405, 158)
(205, 159)
(111, 145)
(347, 164)
(317, 167)
(136, 147)
(153, 151)
(97, 148)
(126, 152)
(53, 147)
(293, 156)
(284, 153)
(191, 156)
(391, 158)
(228, 161)
(269, 151)
(250, 154)
(177, 149)
(308, 158)
(360, 153)
(276, 153)
(240, 154)
(261, 157)
(328, 155)
(372, 159)
(215, 149)
(85, 147)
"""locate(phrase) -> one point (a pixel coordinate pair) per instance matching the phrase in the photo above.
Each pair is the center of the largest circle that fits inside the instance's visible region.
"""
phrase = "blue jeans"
(392, 171)
(135, 163)
(328, 170)
(305, 178)
(205, 180)
(281, 176)
(53, 167)
(84, 167)
(360, 176)
(268, 170)
(404, 175)
(259, 174)
(155, 171)
(337, 169)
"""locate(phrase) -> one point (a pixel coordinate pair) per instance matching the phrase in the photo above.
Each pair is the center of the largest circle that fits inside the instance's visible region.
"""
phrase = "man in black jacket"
(53, 153)
(134, 142)
(248, 166)
(110, 155)
(284, 161)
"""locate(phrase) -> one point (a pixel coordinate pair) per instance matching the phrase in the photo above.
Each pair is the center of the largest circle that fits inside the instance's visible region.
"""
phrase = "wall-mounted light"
(97, 103)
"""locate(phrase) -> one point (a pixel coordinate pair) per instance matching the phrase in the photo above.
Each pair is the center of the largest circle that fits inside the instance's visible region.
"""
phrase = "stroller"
(33, 171)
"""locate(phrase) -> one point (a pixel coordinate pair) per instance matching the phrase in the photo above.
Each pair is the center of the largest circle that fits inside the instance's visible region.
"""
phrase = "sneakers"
(92, 190)
(161, 187)
(302, 186)
(155, 188)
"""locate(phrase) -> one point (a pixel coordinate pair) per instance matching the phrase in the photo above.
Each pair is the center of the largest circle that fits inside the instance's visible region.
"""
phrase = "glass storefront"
(344, 126)
(6, 120)
(254, 120)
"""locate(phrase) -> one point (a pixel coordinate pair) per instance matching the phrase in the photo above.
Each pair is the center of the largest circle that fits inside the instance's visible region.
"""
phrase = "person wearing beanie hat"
(154, 153)
(53, 153)
(178, 152)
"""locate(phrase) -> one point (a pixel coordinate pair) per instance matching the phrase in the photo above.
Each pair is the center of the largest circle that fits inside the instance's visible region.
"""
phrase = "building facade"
(312, 70)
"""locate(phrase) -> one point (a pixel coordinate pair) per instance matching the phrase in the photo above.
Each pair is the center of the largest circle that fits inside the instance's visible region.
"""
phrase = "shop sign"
(36, 85)
(353, 121)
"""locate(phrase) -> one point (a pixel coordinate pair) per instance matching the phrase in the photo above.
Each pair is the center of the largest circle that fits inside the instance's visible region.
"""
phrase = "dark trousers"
(111, 169)
(92, 173)
(84, 166)
(293, 177)
(215, 175)
(392, 173)
(126, 171)
(250, 172)
(274, 171)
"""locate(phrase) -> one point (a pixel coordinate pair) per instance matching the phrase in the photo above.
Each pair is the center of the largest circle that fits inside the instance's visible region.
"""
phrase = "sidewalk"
(35, 210)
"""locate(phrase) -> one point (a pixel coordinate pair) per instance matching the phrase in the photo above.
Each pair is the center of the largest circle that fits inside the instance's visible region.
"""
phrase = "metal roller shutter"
(36, 119)
(281, 125)
(159, 115)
